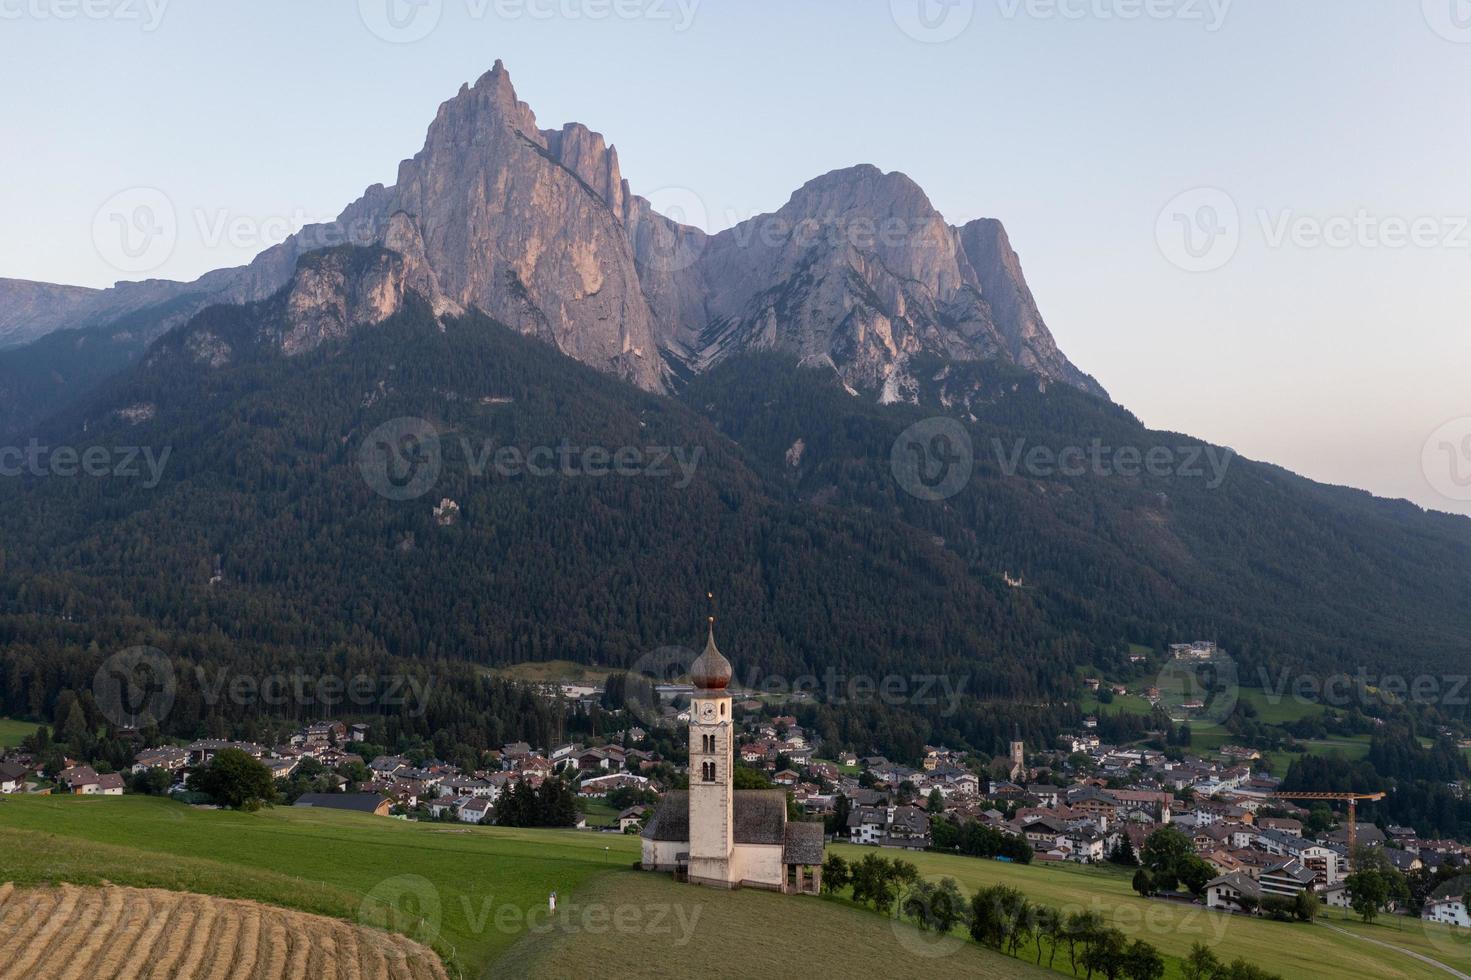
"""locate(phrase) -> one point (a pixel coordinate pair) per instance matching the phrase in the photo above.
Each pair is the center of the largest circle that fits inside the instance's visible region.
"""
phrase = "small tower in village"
(1018, 755)
(712, 763)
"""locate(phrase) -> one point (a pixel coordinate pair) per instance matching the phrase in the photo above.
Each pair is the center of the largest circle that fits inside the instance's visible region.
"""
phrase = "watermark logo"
(136, 687)
(1185, 462)
(1446, 459)
(406, 904)
(1344, 689)
(933, 21)
(136, 230)
(1451, 19)
(665, 249)
(122, 462)
(400, 459)
(924, 916)
(148, 14)
(1199, 687)
(407, 21)
(1210, 13)
(401, 21)
(406, 695)
(663, 666)
(1199, 230)
(1444, 917)
(933, 459)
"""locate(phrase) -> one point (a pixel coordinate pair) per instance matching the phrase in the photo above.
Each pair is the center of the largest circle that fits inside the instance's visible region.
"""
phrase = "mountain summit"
(538, 229)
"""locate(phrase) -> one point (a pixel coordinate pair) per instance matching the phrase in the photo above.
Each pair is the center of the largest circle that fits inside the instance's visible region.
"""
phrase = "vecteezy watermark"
(405, 693)
(135, 687)
(1344, 689)
(671, 247)
(402, 459)
(933, 907)
(679, 242)
(933, 21)
(1443, 919)
(1446, 459)
(406, 904)
(412, 906)
(147, 14)
(136, 229)
(665, 670)
(1451, 19)
(123, 462)
(933, 458)
(1099, 459)
(407, 21)
(1211, 14)
(674, 920)
(1199, 686)
(1364, 229)
(1201, 230)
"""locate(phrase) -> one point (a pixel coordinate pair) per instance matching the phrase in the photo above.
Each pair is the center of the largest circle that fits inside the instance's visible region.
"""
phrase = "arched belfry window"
(709, 772)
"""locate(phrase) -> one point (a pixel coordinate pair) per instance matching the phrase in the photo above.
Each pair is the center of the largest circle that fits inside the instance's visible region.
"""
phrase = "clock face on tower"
(707, 711)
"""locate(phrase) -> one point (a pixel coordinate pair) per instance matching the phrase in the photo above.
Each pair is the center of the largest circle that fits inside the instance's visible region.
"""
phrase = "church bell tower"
(711, 768)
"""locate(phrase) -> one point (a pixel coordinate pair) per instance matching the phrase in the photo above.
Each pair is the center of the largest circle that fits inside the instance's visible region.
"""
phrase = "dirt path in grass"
(1400, 949)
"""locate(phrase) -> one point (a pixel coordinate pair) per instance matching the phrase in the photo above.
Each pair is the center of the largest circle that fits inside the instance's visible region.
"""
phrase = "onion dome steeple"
(710, 671)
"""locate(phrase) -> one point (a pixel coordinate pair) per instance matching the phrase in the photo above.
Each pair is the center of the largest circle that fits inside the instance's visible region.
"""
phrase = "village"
(1078, 801)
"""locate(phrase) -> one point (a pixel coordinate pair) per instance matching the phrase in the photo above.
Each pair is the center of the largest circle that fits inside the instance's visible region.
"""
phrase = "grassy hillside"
(477, 895)
(746, 933)
(471, 887)
(1292, 950)
(12, 731)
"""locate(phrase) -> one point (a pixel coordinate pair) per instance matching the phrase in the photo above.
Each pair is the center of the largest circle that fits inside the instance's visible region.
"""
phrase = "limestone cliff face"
(999, 273)
(539, 229)
(331, 293)
(526, 226)
(859, 270)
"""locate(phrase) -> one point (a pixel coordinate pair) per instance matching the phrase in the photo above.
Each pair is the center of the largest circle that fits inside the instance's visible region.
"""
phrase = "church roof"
(710, 671)
(760, 817)
(803, 844)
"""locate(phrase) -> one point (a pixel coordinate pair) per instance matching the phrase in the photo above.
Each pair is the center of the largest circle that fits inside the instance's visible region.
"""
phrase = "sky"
(1249, 219)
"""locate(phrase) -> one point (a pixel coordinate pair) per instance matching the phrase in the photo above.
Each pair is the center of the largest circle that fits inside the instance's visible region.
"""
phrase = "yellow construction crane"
(1352, 799)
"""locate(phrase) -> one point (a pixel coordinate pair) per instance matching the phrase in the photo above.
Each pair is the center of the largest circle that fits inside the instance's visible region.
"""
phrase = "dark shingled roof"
(361, 802)
(760, 817)
(803, 844)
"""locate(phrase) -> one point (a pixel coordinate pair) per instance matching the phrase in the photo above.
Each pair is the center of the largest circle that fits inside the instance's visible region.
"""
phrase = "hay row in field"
(70, 933)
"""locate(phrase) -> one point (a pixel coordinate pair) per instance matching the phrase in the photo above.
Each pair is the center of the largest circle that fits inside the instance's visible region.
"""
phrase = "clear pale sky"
(1079, 123)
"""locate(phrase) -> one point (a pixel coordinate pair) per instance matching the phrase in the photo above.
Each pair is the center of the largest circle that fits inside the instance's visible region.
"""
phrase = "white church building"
(714, 834)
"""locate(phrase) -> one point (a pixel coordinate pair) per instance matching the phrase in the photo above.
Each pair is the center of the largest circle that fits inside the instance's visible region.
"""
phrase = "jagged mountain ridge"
(539, 229)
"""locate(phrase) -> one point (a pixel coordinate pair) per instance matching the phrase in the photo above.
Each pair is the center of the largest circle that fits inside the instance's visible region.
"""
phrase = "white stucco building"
(714, 834)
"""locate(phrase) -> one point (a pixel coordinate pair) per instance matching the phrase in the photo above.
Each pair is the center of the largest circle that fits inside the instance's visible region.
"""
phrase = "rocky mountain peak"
(539, 229)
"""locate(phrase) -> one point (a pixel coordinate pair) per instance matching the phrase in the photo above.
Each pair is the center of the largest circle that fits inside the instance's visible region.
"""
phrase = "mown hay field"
(71, 933)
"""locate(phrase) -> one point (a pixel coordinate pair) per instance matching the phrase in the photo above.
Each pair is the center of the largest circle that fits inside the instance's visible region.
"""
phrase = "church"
(713, 834)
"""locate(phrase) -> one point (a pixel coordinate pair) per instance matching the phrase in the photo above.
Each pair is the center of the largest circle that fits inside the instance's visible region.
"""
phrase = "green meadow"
(12, 731)
(1289, 949)
(478, 895)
